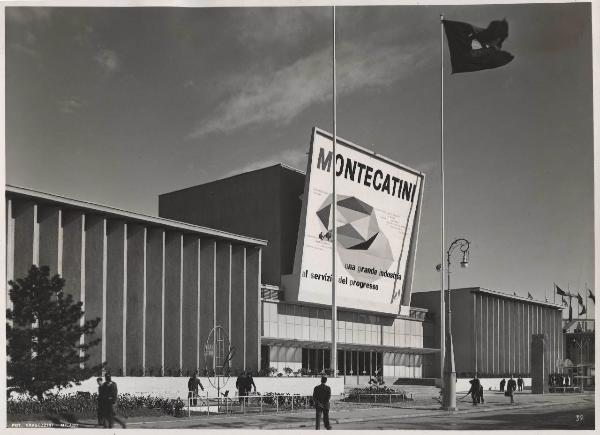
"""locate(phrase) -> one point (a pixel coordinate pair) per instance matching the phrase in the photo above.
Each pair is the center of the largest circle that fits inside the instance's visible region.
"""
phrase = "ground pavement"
(364, 416)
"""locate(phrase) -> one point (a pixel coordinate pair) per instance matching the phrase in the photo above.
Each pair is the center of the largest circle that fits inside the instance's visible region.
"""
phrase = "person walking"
(193, 385)
(511, 386)
(475, 390)
(321, 395)
(240, 384)
(250, 382)
(100, 403)
(502, 384)
(520, 383)
(108, 393)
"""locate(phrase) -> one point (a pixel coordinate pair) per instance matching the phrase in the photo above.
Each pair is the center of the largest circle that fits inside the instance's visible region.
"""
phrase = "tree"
(43, 341)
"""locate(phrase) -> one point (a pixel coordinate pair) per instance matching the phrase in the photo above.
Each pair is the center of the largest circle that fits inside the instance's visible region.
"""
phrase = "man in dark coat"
(240, 384)
(108, 393)
(100, 403)
(193, 385)
(520, 383)
(502, 384)
(322, 394)
(511, 386)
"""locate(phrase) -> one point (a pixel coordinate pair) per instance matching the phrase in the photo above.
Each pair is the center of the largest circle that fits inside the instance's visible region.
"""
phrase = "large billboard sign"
(378, 205)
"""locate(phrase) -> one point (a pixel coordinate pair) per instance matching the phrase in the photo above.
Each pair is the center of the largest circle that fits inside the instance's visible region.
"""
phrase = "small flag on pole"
(570, 312)
(580, 299)
(591, 296)
(529, 296)
(476, 49)
(559, 290)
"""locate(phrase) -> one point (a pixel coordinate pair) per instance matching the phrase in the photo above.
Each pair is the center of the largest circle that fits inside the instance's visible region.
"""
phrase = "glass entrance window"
(350, 363)
(316, 360)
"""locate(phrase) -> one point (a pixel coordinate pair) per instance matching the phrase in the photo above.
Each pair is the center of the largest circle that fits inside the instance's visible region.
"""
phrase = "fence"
(274, 403)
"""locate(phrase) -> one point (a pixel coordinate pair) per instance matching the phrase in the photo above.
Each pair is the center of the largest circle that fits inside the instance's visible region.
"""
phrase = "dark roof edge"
(183, 226)
(234, 176)
(497, 293)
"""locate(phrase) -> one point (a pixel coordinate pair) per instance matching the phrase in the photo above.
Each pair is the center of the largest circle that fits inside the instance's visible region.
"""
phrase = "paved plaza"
(530, 411)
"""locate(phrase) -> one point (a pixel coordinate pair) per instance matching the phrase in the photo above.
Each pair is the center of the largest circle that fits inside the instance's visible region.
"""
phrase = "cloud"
(84, 35)
(260, 26)
(294, 158)
(22, 48)
(69, 104)
(108, 60)
(280, 95)
(26, 15)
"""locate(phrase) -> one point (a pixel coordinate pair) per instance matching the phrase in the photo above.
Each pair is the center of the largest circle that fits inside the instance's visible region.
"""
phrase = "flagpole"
(443, 240)
(333, 357)
(586, 306)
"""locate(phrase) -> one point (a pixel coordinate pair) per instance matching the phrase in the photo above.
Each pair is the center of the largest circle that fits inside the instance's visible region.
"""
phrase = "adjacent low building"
(492, 332)
(158, 286)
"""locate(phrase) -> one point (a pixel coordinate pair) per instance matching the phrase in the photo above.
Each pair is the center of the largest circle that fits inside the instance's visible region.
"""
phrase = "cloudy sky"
(118, 105)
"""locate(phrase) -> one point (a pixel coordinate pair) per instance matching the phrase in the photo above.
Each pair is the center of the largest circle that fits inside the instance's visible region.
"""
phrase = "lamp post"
(449, 385)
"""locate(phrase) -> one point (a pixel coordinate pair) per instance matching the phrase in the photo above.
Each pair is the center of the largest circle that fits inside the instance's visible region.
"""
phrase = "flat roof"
(138, 217)
(498, 294)
(239, 174)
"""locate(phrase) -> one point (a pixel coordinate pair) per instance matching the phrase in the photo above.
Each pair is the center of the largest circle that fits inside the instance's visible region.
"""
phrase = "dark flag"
(579, 299)
(570, 313)
(476, 49)
(591, 296)
(559, 291)
(529, 296)
(582, 311)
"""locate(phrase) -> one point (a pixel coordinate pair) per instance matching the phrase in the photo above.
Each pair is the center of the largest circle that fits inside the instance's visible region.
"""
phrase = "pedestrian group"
(107, 398)
(244, 384)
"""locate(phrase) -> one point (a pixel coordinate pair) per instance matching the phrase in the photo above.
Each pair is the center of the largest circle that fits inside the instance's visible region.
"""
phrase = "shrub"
(288, 371)
(73, 407)
(368, 394)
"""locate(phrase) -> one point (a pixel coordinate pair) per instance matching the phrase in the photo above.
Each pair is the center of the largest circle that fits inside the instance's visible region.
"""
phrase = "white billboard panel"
(378, 202)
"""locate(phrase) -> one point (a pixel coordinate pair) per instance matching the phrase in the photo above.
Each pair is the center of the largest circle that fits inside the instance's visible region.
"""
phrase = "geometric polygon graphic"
(359, 233)
(358, 226)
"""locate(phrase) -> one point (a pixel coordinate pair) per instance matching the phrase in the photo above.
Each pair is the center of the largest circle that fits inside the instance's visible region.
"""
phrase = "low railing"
(276, 403)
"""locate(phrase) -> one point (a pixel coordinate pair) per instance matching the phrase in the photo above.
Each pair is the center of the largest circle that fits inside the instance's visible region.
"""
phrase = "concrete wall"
(431, 331)
(263, 203)
(174, 387)
(158, 290)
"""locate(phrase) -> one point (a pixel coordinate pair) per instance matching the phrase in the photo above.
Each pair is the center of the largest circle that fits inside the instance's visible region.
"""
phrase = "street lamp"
(449, 385)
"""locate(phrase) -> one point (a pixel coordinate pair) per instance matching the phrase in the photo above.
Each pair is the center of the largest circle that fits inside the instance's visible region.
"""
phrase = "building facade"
(158, 286)
(492, 332)
(267, 203)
